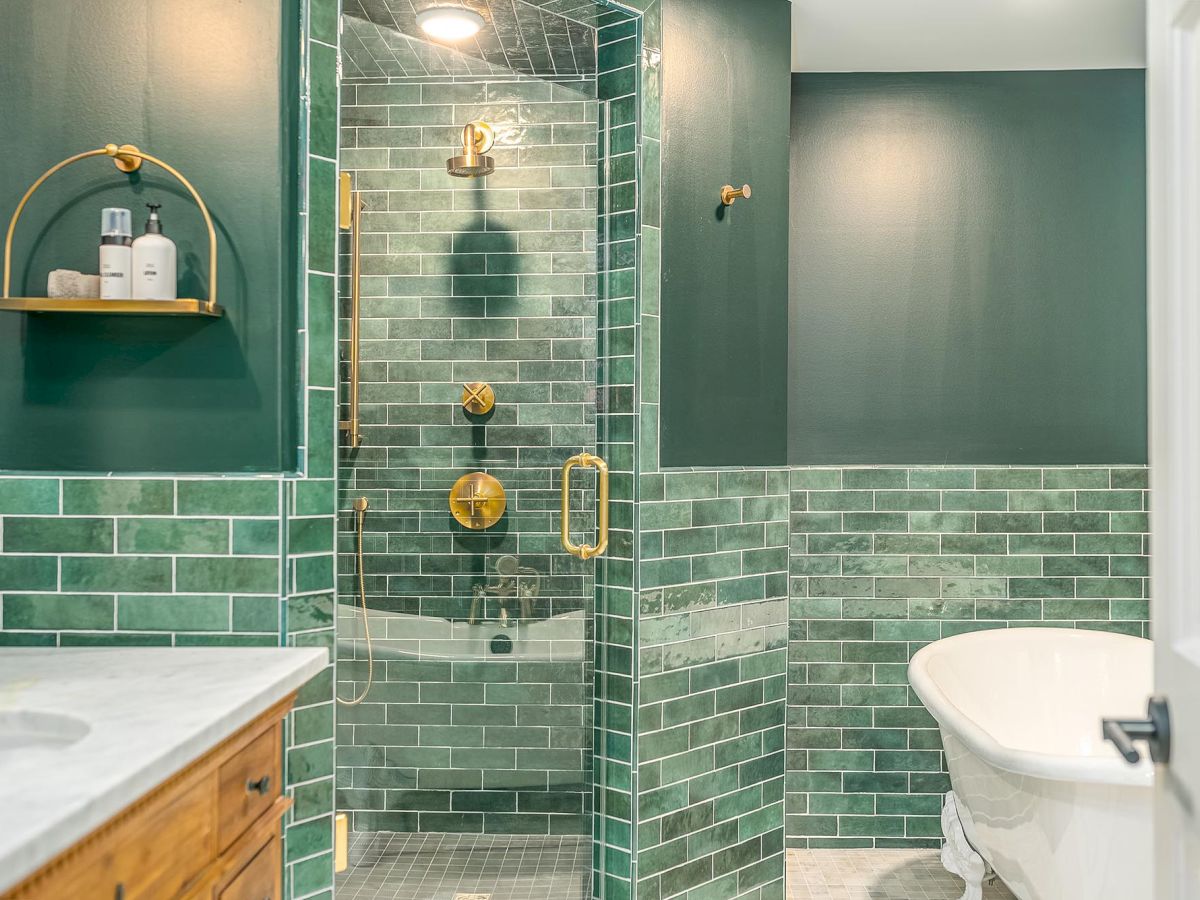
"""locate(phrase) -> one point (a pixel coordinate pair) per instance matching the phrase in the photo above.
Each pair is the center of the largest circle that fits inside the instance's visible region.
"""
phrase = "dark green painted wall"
(968, 268)
(724, 281)
(199, 85)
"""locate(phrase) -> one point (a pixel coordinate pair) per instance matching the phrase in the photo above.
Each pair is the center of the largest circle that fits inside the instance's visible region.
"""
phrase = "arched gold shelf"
(127, 158)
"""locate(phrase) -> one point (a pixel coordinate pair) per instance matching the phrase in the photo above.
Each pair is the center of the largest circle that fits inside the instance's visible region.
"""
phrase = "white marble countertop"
(114, 723)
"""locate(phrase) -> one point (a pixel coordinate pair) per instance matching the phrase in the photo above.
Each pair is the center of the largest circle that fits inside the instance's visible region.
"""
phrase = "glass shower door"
(473, 741)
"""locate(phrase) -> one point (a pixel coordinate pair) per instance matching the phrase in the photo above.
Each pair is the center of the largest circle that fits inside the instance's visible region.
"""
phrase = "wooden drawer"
(151, 857)
(261, 879)
(249, 784)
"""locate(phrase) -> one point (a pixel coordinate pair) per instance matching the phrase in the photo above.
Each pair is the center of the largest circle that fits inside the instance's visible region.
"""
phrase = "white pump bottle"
(115, 257)
(154, 261)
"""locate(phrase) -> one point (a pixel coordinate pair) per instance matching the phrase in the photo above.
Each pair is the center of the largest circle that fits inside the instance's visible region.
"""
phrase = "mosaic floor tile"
(397, 866)
(876, 875)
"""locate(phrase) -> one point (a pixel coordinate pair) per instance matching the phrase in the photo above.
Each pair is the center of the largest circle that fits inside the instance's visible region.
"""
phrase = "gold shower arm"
(127, 158)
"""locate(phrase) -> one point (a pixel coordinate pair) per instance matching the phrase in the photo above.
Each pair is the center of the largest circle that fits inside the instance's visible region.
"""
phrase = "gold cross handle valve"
(478, 398)
(477, 501)
(586, 461)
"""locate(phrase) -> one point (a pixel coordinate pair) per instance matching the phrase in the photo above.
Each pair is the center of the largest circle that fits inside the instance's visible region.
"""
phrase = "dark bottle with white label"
(154, 261)
(116, 254)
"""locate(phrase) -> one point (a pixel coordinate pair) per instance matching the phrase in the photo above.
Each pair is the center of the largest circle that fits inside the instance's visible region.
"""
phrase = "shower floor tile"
(876, 875)
(396, 866)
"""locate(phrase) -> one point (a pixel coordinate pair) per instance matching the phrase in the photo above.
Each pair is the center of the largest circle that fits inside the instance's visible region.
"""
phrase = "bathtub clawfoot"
(958, 856)
(1059, 815)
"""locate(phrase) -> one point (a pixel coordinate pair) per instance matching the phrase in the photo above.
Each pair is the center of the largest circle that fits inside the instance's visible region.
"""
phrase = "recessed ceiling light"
(449, 23)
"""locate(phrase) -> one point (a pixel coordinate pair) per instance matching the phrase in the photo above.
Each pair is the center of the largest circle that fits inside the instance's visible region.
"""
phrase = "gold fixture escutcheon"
(586, 461)
(126, 158)
(480, 136)
(477, 501)
(729, 194)
(478, 398)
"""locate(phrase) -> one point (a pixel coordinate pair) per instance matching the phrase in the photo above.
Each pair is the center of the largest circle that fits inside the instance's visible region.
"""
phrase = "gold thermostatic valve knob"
(477, 501)
(478, 398)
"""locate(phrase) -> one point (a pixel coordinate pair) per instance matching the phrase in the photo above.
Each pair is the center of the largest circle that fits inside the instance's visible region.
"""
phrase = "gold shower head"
(477, 140)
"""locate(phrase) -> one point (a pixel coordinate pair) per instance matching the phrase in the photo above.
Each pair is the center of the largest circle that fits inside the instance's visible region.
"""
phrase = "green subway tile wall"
(124, 560)
(624, 196)
(686, 805)
(307, 522)
(707, 660)
(712, 657)
(885, 560)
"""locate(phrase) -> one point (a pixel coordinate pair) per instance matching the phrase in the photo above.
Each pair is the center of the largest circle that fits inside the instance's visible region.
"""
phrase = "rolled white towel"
(69, 283)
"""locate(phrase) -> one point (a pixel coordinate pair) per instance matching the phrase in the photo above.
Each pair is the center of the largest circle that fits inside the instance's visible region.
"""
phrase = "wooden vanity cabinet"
(210, 832)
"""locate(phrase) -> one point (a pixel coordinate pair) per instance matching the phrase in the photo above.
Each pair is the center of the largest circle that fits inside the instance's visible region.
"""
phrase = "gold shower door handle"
(586, 461)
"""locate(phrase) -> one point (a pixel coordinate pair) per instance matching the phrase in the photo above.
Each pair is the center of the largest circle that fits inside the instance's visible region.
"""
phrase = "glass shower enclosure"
(472, 348)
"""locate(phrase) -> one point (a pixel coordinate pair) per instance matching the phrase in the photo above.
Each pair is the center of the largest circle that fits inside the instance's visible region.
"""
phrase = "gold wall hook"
(729, 193)
(477, 501)
(478, 398)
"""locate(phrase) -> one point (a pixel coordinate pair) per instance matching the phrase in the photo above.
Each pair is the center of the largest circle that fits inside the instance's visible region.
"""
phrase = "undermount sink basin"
(24, 730)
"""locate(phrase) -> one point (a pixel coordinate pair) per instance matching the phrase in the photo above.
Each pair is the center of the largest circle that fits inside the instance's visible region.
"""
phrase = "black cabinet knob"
(260, 787)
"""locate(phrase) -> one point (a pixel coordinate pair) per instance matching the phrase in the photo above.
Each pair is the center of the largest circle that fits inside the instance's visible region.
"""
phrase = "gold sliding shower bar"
(350, 207)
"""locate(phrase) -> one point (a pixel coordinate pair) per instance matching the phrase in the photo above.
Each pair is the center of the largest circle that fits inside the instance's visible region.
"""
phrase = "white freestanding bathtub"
(1049, 804)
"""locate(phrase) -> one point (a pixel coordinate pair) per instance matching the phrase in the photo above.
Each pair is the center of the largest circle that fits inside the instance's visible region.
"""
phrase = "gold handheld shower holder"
(127, 158)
